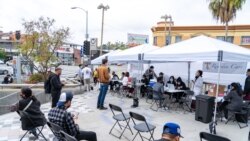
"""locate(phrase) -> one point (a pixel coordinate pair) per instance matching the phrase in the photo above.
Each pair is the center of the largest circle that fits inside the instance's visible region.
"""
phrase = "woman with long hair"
(233, 101)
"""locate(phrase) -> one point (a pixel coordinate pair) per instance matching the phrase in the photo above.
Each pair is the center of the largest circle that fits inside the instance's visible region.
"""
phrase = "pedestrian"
(87, 73)
(56, 86)
(66, 120)
(7, 79)
(247, 86)
(150, 73)
(31, 106)
(171, 132)
(95, 76)
(79, 74)
(103, 76)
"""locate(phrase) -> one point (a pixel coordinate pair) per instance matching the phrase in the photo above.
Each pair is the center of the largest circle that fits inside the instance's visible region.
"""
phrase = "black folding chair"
(240, 116)
(55, 130)
(186, 100)
(119, 118)
(67, 137)
(39, 128)
(212, 137)
(142, 127)
(149, 93)
(158, 100)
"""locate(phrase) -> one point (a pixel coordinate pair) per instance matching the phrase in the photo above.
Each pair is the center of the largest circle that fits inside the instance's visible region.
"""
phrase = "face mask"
(171, 80)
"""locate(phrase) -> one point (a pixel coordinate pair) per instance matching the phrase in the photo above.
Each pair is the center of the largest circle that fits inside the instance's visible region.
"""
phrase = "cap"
(66, 96)
(172, 128)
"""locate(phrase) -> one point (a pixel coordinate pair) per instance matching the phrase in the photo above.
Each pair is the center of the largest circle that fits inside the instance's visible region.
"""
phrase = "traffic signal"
(18, 35)
(86, 48)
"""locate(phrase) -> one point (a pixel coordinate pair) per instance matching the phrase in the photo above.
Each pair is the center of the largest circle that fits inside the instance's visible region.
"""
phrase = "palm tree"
(225, 11)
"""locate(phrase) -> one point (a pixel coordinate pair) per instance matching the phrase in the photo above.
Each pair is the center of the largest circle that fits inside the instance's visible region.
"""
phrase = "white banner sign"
(226, 67)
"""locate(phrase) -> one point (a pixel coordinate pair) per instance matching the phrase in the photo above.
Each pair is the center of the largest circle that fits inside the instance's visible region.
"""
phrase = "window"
(245, 40)
(230, 39)
(178, 39)
(155, 40)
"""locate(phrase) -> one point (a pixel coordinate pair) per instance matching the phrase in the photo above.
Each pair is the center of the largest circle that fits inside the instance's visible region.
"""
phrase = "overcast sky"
(124, 16)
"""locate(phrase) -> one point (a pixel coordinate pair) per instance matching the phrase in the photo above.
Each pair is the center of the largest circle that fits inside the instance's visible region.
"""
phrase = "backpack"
(47, 85)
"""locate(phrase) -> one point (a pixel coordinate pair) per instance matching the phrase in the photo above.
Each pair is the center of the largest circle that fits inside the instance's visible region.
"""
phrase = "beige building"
(237, 34)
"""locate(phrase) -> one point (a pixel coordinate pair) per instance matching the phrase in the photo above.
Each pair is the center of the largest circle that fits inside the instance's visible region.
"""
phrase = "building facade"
(162, 36)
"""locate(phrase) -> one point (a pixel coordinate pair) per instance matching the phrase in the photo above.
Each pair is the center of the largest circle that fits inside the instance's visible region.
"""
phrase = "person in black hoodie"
(247, 86)
(31, 106)
(145, 82)
(171, 80)
(180, 85)
(56, 86)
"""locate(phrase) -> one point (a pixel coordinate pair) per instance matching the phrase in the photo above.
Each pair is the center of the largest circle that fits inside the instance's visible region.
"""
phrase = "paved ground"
(101, 121)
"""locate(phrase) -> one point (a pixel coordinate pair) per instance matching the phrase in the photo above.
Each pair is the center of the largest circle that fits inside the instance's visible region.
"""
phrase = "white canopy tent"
(133, 54)
(98, 60)
(201, 48)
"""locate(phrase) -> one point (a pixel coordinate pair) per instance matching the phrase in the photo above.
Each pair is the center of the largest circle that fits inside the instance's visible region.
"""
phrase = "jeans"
(102, 95)
(86, 135)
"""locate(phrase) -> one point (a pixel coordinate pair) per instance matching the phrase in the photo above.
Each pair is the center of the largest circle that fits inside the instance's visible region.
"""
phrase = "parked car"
(5, 70)
(1, 62)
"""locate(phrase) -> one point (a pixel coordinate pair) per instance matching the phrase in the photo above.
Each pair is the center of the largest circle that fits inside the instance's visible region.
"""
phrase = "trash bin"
(204, 108)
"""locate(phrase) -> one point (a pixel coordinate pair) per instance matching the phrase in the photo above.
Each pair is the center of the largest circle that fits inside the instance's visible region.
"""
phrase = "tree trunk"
(226, 31)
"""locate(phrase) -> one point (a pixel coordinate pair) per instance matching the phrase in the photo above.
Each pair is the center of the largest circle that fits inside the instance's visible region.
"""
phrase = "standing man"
(87, 73)
(150, 73)
(56, 86)
(247, 86)
(103, 76)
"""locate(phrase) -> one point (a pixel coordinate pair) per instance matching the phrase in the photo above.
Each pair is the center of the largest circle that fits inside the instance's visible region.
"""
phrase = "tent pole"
(189, 63)
(216, 97)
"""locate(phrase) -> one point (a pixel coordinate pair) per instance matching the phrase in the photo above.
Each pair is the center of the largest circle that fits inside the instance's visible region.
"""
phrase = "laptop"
(170, 86)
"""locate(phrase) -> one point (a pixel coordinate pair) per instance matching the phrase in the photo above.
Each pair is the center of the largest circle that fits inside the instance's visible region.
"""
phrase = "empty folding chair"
(186, 100)
(143, 126)
(121, 117)
(55, 130)
(212, 137)
(33, 127)
(67, 137)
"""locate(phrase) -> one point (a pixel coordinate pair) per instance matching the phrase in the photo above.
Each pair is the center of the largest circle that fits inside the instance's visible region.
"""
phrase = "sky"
(123, 17)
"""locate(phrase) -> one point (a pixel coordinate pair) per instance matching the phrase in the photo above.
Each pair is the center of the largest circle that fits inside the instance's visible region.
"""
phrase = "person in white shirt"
(126, 81)
(79, 74)
(87, 73)
(198, 83)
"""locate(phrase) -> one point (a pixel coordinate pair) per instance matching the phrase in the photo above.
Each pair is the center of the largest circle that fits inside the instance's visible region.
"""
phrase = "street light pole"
(104, 8)
(166, 17)
(86, 12)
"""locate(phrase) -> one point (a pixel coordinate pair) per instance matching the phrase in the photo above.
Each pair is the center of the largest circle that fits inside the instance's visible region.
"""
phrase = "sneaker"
(224, 119)
(103, 108)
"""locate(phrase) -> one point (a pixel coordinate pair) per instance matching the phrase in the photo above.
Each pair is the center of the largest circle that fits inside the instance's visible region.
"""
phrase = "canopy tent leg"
(189, 67)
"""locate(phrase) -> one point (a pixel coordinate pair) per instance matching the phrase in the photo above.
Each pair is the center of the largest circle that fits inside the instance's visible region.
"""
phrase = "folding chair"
(186, 100)
(39, 128)
(143, 126)
(149, 93)
(67, 137)
(119, 118)
(55, 129)
(238, 116)
(158, 100)
(212, 137)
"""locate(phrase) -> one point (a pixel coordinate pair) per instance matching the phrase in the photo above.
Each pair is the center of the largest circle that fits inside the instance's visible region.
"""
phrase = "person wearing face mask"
(61, 117)
(56, 86)
(233, 101)
(197, 86)
(172, 80)
(31, 106)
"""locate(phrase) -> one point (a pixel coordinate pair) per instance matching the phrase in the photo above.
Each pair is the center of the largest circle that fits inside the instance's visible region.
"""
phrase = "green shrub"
(35, 78)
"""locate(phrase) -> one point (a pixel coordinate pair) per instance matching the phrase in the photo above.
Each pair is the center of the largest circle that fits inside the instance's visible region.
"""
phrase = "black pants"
(55, 98)
(86, 135)
(223, 107)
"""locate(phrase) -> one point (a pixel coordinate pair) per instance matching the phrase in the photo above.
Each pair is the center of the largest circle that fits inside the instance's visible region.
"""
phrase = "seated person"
(158, 90)
(126, 83)
(123, 75)
(172, 80)
(171, 132)
(180, 85)
(31, 106)
(145, 82)
(114, 81)
(7, 79)
(60, 116)
(161, 74)
(233, 101)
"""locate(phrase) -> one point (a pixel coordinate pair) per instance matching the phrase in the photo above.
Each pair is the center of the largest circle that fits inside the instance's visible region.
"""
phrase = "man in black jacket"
(56, 86)
(247, 86)
(31, 106)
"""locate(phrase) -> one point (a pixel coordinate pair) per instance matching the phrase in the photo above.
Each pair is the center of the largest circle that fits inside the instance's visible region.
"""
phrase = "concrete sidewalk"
(101, 121)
